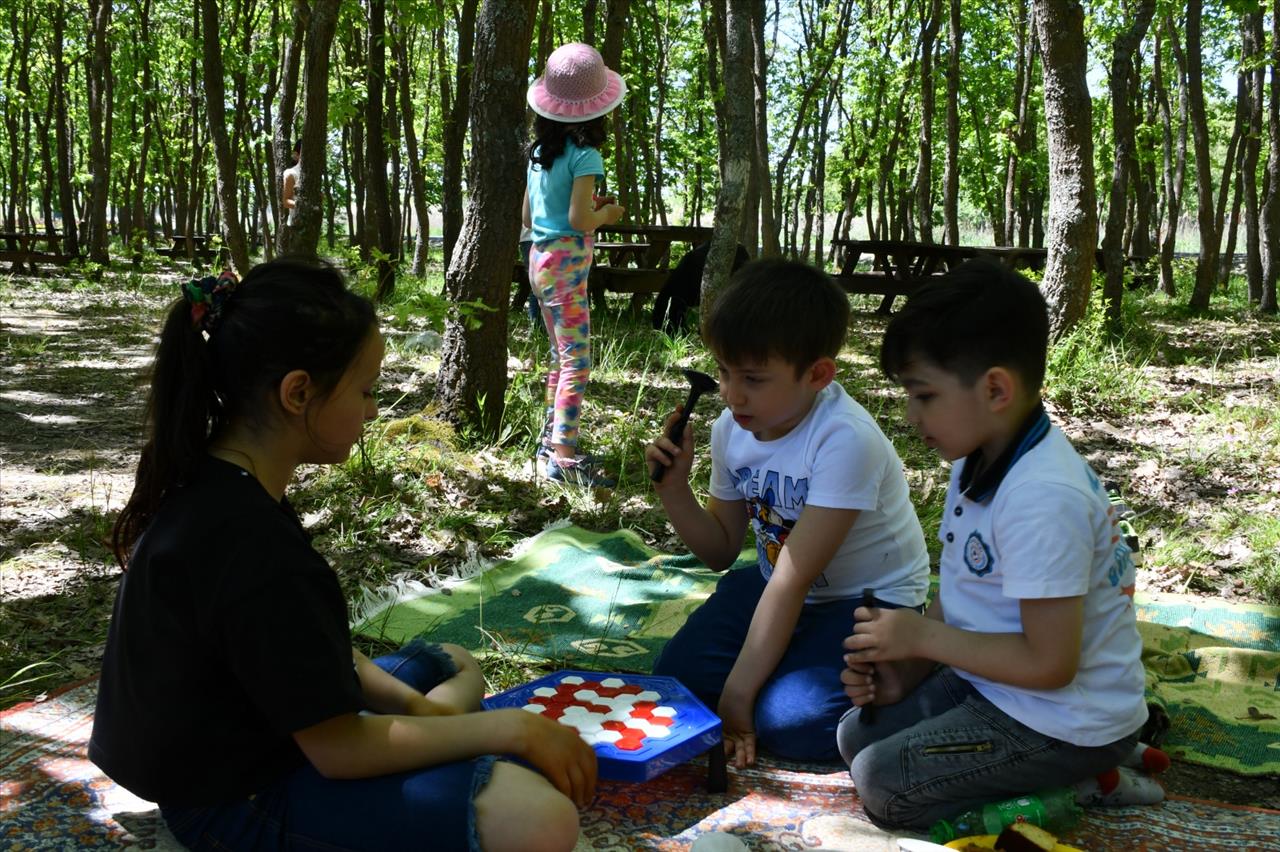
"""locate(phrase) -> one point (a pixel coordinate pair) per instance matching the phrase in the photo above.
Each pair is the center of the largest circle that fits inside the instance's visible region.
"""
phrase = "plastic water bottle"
(1053, 810)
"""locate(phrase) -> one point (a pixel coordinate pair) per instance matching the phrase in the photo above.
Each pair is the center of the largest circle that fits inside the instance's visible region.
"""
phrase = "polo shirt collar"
(982, 488)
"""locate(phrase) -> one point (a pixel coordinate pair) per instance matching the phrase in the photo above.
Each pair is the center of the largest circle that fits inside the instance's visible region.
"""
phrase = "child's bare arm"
(528, 215)
(715, 533)
(1045, 655)
(356, 746)
(808, 550)
(583, 215)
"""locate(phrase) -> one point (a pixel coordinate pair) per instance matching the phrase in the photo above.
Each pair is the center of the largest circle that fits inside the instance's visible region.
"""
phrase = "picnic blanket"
(52, 798)
(608, 602)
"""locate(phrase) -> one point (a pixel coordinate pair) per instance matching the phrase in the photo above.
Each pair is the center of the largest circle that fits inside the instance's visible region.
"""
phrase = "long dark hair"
(288, 314)
(550, 136)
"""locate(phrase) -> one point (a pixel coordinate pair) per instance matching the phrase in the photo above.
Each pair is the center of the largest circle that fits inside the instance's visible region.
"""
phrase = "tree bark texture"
(1072, 230)
(735, 155)
(1271, 204)
(216, 109)
(951, 167)
(1207, 264)
(454, 113)
(99, 96)
(472, 380)
(1253, 45)
(304, 236)
(1122, 52)
(924, 155)
(282, 132)
(378, 215)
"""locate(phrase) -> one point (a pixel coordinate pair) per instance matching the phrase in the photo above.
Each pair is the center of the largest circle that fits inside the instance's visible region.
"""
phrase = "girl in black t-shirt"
(230, 692)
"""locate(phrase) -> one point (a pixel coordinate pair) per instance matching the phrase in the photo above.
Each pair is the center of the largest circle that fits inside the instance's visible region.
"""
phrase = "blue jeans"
(425, 808)
(945, 748)
(800, 704)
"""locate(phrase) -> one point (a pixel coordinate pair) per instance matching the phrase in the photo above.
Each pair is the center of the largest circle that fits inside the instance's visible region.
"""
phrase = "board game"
(639, 725)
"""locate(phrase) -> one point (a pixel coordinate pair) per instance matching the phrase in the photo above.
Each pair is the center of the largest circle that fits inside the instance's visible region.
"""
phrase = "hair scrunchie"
(207, 296)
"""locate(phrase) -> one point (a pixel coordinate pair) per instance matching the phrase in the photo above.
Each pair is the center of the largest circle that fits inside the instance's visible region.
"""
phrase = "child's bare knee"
(548, 820)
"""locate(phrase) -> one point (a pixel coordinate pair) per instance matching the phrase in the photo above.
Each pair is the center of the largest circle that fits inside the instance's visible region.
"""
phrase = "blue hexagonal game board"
(639, 725)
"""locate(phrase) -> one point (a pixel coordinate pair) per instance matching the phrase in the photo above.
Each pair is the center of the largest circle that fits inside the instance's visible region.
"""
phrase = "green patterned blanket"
(606, 601)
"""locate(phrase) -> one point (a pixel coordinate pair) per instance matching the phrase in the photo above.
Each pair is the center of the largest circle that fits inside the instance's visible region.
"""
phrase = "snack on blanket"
(1025, 837)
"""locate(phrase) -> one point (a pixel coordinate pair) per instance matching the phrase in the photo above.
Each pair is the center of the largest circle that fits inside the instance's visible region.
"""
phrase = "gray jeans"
(944, 749)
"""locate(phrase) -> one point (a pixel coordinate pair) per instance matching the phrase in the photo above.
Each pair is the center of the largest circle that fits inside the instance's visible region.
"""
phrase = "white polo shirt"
(835, 457)
(1047, 530)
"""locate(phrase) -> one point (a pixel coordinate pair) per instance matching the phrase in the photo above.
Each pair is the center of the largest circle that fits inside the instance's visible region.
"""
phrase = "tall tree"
(1252, 43)
(455, 101)
(738, 133)
(1207, 263)
(224, 153)
(1271, 203)
(951, 166)
(473, 371)
(304, 236)
(100, 117)
(1068, 272)
(282, 133)
(417, 180)
(378, 215)
(66, 192)
(760, 149)
(1122, 52)
(1174, 154)
(924, 155)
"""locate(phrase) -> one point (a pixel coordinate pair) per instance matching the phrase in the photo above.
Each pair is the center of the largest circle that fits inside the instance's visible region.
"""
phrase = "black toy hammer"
(699, 383)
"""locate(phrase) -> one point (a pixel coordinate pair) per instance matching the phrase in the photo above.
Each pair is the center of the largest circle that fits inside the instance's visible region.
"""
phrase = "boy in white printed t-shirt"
(793, 454)
(1041, 682)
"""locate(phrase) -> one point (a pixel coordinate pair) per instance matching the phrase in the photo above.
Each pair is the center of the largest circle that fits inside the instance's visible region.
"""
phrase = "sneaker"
(545, 453)
(577, 473)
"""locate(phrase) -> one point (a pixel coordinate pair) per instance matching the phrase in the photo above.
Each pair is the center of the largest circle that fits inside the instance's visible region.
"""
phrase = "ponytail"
(223, 349)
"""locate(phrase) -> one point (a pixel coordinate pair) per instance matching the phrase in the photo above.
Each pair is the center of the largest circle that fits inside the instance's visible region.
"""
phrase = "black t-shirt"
(229, 634)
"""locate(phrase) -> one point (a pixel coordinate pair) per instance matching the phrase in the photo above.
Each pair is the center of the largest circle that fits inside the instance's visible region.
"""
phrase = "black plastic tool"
(699, 383)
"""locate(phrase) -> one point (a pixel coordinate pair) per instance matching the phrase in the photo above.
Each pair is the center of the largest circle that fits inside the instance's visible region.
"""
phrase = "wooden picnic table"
(638, 258)
(898, 267)
(27, 248)
(194, 246)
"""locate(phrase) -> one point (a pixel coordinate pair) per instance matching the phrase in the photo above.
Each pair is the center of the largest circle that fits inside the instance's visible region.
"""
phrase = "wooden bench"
(26, 249)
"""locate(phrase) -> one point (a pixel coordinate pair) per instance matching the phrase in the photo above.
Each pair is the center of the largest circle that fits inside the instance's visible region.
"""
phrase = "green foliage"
(1092, 370)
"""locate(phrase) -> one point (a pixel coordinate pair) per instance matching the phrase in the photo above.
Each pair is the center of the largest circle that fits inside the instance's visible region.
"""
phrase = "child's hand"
(884, 683)
(612, 213)
(880, 635)
(601, 200)
(677, 459)
(738, 729)
(561, 755)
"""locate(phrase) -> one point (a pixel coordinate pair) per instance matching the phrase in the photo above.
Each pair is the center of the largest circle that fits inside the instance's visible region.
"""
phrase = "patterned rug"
(52, 798)
(608, 602)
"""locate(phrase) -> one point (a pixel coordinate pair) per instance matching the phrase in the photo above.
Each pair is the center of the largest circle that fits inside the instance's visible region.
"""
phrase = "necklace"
(220, 452)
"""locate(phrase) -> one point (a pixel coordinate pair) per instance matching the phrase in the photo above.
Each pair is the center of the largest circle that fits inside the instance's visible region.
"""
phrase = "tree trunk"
(99, 93)
(377, 204)
(1271, 204)
(454, 104)
(924, 156)
(1122, 140)
(304, 236)
(1207, 265)
(1252, 44)
(616, 13)
(282, 132)
(1174, 157)
(739, 133)
(224, 154)
(66, 192)
(769, 246)
(472, 380)
(951, 168)
(417, 181)
(1068, 273)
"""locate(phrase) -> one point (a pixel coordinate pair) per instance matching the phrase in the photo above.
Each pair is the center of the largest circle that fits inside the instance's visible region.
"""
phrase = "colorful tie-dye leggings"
(558, 271)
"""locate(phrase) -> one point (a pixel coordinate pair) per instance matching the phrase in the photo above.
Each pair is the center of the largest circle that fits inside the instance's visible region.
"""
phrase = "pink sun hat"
(576, 85)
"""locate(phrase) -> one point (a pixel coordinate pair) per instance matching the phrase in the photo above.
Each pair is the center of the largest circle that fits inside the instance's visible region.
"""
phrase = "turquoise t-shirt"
(550, 190)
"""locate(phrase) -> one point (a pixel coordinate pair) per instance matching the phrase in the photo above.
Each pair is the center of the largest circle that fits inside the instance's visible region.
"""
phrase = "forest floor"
(1179, 415)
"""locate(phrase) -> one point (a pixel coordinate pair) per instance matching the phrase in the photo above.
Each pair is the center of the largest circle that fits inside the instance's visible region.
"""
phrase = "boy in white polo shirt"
(801, 462)
(1040, 683)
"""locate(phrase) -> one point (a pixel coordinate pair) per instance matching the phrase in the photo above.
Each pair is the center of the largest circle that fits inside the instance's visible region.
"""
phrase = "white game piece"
(610, 737)
(586, 695)
(658, 732)
(613, 681)
(534, 708)
(571, 679)
(667, 712)
(648, 695)
(544, 692)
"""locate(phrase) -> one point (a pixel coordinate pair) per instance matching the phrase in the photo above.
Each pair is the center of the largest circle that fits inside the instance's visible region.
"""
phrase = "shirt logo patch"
(977, 556)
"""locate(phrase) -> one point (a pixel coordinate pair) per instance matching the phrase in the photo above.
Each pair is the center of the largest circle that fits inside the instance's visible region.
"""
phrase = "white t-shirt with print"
(838, 458)
(1049, 532)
